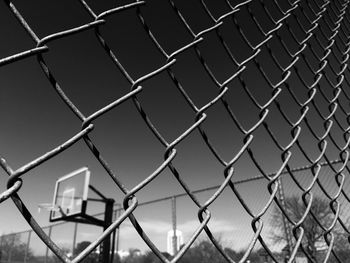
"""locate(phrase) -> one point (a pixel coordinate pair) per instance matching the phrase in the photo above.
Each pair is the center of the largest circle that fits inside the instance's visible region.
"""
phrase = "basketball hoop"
(70, 196)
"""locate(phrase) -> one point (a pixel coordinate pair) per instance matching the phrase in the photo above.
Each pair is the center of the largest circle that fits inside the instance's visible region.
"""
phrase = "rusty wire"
(325, 26)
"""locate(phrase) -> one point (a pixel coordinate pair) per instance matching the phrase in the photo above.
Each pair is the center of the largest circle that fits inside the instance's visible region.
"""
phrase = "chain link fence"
(288, 59)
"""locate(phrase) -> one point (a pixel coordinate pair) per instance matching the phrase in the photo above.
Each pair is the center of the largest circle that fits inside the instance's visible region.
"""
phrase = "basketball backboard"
(71, 193)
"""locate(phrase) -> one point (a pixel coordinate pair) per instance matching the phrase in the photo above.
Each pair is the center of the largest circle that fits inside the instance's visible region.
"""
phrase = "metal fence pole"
(47, 248)
(118, 232)
(11, 248)
(173, 218)
(115, 245)
(1, 244)
(27, 246)
(74, 238)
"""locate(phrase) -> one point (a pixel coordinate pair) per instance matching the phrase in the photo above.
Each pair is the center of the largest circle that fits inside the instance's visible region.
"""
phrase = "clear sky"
(35, 120)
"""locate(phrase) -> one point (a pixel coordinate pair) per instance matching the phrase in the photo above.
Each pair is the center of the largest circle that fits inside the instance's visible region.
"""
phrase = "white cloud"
(161, 227)
(216, 226)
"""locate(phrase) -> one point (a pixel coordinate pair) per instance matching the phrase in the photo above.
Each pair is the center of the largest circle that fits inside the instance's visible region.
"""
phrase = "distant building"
(179, 241)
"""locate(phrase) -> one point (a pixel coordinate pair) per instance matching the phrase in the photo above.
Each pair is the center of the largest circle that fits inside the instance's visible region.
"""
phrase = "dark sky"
(35, 120)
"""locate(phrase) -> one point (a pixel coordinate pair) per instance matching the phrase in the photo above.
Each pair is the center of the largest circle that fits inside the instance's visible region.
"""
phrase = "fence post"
(118, 229)
(74, 238)
(47, 248)
(11, 248)
(173, 218)
(1, 241)
(27, 246)
(115, 245)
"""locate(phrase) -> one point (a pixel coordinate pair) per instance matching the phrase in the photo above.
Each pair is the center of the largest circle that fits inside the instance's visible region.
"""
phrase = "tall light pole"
(286, 224)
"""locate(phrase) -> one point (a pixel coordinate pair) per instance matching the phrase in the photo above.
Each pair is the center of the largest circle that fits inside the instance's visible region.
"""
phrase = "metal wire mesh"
(307, 44)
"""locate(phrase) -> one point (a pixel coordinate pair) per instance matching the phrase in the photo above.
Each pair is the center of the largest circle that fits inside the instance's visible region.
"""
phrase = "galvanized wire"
(324, 25)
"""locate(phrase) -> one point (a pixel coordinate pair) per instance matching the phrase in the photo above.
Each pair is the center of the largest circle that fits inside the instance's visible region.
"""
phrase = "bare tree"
(91, 258)
(313, 237)
(13, 249)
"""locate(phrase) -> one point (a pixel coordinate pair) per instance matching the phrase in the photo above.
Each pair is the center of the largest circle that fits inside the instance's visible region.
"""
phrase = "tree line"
(313, 244)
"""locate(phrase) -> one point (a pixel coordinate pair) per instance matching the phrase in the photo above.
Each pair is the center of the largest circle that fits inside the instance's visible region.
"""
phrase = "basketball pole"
(107, 251)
